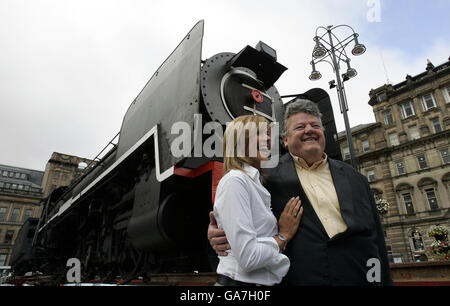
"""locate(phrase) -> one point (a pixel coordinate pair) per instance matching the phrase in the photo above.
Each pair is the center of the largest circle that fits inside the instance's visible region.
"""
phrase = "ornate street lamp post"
(334, 48)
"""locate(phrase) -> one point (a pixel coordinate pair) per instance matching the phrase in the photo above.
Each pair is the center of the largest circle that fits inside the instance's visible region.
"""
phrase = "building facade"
(61, 170)
(405, 156)
(20, 196)
(22, 190)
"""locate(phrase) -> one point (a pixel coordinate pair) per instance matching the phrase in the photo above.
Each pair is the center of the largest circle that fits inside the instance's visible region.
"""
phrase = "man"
(339, 240)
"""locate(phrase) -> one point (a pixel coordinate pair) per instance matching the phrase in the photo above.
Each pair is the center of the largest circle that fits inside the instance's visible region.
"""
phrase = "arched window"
(426, 182)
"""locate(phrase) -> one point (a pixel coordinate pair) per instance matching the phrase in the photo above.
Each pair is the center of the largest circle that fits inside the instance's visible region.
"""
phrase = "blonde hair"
(239, 146)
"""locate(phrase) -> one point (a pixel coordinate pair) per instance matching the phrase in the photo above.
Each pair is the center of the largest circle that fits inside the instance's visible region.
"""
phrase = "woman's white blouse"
(242, 209)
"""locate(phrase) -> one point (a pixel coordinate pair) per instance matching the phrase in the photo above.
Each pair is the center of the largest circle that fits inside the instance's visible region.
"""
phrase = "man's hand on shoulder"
(217, 237)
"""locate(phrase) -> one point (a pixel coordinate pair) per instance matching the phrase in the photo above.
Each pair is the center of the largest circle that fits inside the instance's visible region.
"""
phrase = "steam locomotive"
(141, 209)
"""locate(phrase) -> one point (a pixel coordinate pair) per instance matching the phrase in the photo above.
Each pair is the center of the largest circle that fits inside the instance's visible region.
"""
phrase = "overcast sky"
(70, 69)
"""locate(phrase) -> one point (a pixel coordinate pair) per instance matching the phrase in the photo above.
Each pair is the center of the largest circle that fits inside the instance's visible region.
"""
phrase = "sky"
(69, 69)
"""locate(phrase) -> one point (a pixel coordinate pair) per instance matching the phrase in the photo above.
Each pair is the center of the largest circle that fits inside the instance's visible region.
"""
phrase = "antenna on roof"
(385, 70)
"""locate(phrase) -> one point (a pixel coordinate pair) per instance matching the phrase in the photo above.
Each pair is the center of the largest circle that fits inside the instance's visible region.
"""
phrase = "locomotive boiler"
(142, 209)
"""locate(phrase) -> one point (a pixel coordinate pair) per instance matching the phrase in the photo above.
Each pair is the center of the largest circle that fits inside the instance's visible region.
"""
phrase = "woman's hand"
(290, 219)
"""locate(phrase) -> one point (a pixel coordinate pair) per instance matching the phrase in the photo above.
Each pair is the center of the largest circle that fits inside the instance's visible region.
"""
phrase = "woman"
(242, 209)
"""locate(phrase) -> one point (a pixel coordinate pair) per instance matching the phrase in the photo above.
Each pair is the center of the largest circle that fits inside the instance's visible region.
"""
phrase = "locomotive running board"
(159, 176)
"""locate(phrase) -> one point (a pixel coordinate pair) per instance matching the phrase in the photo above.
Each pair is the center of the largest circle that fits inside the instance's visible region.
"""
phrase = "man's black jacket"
(344, 259)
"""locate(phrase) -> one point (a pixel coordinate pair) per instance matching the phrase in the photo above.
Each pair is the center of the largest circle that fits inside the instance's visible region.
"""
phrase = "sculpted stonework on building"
(405, 156)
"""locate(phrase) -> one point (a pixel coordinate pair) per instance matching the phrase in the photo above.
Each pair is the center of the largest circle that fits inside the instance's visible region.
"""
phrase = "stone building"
(20, 196)
(405, 157)
(22, 190)
(61, 170)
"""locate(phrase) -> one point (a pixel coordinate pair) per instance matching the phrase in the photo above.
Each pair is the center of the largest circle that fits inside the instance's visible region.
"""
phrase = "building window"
(446, 94)
(445, 156)
(15, 215)
(28, 214)
(5, 173)
(3, 258)
(407, 199)
(428, 101)
(56, 175)
(365, 145)
(431, 197)
(11, 174)
(371, 175)
(388, 118)
(407, 109)
(346, 152)
(64, 176)
(8, 236)
(436, 125)
(3, 213)
(400, 168)
(23, 176)
(393, 139)
(417, 241)
(414, 132)
(422, 162)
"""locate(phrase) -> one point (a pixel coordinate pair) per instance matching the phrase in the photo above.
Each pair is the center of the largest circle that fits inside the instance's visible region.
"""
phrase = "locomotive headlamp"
(262, 47)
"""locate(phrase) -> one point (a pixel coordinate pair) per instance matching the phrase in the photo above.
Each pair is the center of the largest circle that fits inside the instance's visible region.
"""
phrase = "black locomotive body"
(142, 209)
